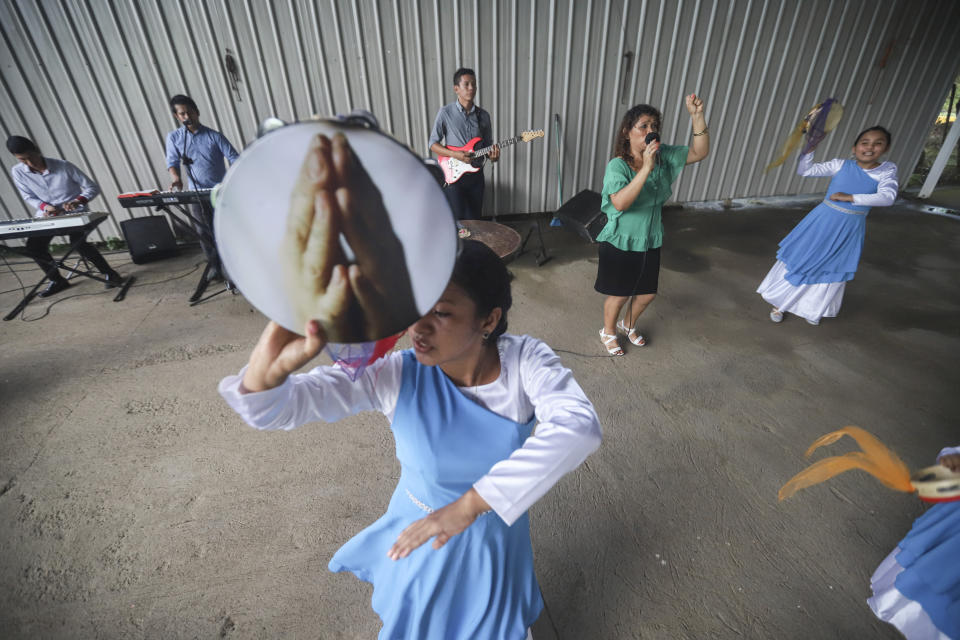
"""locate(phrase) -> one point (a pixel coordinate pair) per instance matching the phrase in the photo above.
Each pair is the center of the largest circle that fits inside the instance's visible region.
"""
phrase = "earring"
(486, 334)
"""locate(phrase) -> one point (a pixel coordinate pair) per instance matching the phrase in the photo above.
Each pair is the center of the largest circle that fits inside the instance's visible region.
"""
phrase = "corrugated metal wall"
(89, 79)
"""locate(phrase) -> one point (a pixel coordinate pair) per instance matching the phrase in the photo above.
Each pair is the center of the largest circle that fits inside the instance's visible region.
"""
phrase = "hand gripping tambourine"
(932, 484)
(335, 221)
(936, 484)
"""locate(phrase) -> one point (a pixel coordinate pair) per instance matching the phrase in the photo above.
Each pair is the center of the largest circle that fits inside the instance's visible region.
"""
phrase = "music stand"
(85, 231)
(542, 258)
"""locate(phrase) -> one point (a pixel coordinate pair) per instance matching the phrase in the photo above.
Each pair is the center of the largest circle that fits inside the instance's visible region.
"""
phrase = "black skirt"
(627, 273)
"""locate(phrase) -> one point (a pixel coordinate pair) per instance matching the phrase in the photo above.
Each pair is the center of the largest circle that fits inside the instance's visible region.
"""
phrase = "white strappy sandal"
(635, 338)
(610, 342)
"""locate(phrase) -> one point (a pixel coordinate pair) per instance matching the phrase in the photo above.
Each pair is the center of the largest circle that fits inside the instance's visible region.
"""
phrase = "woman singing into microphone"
(635, 186)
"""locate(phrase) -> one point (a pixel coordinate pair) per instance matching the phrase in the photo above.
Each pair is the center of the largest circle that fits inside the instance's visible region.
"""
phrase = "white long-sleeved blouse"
(532, 382)
(885, 174)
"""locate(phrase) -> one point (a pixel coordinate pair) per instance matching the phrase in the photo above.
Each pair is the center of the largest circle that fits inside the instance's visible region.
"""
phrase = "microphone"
(653, 136)
(183, 154)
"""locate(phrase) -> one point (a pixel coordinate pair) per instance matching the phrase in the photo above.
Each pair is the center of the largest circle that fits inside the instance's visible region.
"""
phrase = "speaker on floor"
(149, 238)
(582, 214)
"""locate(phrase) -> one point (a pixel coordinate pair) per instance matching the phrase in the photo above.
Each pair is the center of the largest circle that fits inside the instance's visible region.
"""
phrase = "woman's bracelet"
(705, 131)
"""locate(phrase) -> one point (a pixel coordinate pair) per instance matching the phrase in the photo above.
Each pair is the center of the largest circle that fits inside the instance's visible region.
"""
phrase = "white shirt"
(532, 382)
(885, 174)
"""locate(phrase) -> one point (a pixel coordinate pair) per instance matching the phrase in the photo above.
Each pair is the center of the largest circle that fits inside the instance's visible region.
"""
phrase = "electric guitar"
(453, 169)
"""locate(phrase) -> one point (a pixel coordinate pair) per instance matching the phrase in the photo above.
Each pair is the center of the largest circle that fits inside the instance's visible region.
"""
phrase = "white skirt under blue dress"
(810, 301)
(917, 587)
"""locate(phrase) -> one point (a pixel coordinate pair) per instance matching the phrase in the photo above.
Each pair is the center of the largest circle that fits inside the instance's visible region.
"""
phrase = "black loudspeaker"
(582, 214)
(149, 238)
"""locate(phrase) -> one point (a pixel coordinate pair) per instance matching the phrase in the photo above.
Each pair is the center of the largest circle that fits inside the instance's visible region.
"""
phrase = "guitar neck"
(503, 143)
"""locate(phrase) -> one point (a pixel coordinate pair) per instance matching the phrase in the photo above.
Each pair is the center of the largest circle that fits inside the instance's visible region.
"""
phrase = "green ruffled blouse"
(640, 227)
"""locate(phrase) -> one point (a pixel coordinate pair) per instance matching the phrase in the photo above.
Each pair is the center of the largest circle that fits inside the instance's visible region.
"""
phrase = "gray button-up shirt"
(455, 127)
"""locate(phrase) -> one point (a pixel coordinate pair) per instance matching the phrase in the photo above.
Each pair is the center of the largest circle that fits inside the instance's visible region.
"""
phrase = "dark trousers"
(466, 196)
(39, 249)
(203, 225)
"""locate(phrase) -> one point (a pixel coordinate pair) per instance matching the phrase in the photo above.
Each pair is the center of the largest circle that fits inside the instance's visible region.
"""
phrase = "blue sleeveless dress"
(481, 584)
(825, 246)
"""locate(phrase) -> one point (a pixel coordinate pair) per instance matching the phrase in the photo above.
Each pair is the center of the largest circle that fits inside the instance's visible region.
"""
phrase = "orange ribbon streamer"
(875, 458)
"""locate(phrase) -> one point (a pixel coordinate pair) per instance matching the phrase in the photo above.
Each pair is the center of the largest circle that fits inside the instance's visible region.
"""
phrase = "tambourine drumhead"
(936, 484)
(254, 199)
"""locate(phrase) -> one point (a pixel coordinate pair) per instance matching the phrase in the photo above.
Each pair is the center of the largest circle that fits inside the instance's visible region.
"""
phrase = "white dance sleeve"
(887, 189)
(807, 168)
(568, 431)
(325, 393)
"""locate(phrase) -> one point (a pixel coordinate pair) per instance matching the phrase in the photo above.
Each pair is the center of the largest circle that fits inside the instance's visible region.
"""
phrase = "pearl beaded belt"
(427, 508)
(417, 502)
(831, 203)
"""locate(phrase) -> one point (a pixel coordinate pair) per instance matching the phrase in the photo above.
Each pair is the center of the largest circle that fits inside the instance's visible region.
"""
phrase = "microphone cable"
(652, 137)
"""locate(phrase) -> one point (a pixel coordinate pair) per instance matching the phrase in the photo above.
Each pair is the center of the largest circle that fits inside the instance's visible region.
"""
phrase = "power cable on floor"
(585, 355)
(138, 284)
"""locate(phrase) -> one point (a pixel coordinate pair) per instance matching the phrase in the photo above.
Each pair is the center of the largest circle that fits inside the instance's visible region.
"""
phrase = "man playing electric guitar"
(457, 123)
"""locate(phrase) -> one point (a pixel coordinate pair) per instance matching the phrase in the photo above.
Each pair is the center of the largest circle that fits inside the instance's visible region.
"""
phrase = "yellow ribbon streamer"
(796, 136)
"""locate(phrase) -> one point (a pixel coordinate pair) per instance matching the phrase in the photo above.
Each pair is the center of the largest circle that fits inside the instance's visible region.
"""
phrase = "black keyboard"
(161, 198)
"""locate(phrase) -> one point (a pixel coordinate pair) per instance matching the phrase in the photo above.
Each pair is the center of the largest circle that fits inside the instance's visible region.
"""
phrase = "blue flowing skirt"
(824, 247)
(481, 584)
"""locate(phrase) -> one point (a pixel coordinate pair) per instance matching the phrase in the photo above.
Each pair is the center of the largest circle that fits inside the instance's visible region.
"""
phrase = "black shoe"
(55, 286)
(114, 279)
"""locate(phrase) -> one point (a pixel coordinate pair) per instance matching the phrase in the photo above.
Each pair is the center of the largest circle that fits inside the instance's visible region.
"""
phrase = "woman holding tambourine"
(484, 422)
(635, 186)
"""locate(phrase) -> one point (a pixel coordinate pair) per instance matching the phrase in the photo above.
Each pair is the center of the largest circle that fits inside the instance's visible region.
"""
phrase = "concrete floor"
(134, 504)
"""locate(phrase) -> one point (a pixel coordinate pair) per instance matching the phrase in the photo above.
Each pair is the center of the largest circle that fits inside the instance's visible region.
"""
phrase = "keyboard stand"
(76, 265)
(121, 294)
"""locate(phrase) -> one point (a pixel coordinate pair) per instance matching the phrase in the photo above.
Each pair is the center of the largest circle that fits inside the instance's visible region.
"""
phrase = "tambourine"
(366, 248)
(936, 484)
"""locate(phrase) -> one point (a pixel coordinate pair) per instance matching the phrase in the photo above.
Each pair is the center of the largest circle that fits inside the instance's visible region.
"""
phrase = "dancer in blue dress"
(821, 254)
(463, 404)
(917, 587)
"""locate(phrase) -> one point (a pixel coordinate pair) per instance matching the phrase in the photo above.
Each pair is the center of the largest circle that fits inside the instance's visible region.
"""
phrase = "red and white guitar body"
(453, 169)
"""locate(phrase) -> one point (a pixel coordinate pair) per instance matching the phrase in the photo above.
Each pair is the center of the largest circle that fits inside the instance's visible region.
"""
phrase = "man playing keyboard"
(52, 187)
(202, 151)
